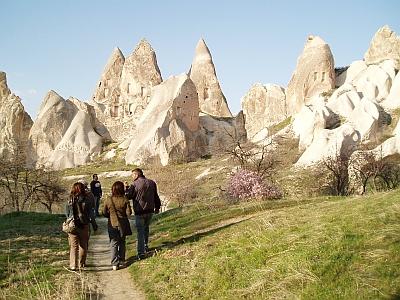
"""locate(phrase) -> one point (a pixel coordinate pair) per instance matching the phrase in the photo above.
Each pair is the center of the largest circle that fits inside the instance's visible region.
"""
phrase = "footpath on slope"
(103, 281)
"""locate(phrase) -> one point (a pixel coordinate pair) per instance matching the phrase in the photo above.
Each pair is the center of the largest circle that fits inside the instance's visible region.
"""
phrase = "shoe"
(115, 268)
(122, 264)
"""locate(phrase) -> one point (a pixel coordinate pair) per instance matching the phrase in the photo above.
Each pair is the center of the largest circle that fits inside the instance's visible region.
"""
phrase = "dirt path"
(106, 283)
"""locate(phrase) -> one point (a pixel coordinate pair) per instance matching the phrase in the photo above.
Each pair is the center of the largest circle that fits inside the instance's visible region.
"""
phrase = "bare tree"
(391, 175)
(255, 157)
(11, 172)
(371, 167)
(365, 166)
(47, 189)
(337, 167)
(24, 186)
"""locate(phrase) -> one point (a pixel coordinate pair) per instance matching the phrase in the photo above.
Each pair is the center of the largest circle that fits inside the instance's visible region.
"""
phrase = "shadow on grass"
(189, 239)
(195, 237)
(167, 213)
(395, 296)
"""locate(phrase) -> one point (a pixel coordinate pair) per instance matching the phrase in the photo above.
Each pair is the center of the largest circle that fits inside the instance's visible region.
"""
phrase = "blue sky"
(64, 45)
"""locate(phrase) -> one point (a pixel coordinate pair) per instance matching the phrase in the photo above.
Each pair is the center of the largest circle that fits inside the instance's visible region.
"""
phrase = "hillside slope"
(322, 248)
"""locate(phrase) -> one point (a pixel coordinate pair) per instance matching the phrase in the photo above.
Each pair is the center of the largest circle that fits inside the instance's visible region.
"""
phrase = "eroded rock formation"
(15, 123)
(368, 93)
(222, 133)
(202, 72)
(125, 89)
(263, 106)
(63, 134)
(139, 74)
(314, 74)
(108, 86)
(78, 145)
(384, 45)
(168, 129)
(329, 143)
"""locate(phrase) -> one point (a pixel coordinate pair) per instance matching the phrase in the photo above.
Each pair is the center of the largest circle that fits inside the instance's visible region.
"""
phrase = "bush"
(247, 184)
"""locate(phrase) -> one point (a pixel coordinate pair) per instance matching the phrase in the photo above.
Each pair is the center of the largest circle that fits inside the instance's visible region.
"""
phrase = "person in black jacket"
(146, 201)
(80, 207)
(95, 188)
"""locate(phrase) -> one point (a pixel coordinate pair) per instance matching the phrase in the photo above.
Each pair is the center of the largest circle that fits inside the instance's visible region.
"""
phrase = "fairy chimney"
(202, 72)
(314, 74)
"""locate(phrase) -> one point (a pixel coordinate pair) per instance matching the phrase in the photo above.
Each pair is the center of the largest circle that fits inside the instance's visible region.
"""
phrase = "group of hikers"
(83, 205)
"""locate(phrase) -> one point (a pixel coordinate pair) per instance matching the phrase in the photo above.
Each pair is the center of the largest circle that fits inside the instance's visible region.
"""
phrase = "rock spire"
(202, 72)
(15, 123)
(384, 45)
(314, 74)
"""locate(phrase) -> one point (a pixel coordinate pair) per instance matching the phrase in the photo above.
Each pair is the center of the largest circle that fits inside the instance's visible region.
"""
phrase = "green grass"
(322, 248)
(275, 128)
(98, 166)
(32, 252)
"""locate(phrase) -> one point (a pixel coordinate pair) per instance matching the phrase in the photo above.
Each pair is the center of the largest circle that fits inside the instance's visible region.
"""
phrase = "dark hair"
(78, 188)
(118, 189)
(94, 175)
(138, 171)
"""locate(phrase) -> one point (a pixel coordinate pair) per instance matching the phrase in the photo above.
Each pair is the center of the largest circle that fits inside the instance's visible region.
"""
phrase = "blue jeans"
(117, 245)
(97, 205)
(142, 227)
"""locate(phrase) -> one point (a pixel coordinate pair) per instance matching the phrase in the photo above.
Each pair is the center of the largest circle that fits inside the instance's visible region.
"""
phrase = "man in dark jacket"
(146, 201)
(95, 188)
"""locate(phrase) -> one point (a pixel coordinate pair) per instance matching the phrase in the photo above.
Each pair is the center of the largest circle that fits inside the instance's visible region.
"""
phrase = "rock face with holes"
(63, 133)
(368, 94)
(15, 123)
(108, 86)
(139, 74)
(314, 74)
(263, 106)
(384, 45)
(202, 73)
(124, 90)
(168, 129)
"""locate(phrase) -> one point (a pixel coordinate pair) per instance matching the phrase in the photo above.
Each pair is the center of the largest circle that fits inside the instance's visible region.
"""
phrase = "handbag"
(124, 227)
(69, 226)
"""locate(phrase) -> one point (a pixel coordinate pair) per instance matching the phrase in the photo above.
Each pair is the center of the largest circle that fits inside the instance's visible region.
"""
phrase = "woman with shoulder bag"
(80, 208)
(117, 209)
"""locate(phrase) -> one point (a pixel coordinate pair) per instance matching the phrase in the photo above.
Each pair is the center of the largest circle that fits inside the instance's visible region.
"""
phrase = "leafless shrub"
(337, 167)
(48, 190)
(175, 184)
(23, 186)
(258, 158)
(369, 168)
